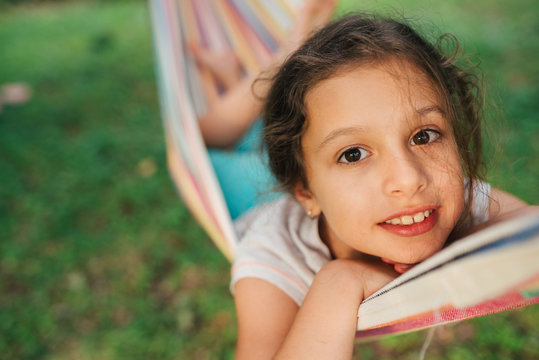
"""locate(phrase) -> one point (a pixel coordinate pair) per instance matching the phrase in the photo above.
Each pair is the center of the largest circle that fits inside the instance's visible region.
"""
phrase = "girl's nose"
(404, 176)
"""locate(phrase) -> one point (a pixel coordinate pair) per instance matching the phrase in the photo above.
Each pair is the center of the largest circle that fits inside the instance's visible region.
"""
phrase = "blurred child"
(231, 113)
(230, 127)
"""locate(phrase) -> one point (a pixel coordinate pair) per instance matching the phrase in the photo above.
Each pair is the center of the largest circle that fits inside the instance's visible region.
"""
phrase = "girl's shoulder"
(279, 243)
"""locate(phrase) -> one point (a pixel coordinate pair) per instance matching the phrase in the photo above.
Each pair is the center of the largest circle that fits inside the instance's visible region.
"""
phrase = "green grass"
(99, 257)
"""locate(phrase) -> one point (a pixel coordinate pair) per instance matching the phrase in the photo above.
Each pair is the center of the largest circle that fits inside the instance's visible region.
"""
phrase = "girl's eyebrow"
(352, 130)
(428, 109)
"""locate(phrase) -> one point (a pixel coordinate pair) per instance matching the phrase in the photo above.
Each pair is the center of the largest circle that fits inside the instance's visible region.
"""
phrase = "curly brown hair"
(356, 40)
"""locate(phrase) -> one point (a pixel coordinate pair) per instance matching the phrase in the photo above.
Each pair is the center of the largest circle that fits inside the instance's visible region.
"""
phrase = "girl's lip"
(414, 229)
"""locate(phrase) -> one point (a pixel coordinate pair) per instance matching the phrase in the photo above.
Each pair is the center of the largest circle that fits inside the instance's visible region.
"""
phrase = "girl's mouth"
(411, 225)
(410, 219)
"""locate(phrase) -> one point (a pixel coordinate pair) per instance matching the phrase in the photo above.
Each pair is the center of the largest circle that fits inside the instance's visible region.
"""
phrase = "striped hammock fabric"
(422, 297)
(252, 28)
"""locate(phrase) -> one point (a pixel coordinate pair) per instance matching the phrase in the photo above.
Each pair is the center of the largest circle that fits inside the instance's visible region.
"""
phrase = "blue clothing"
(243, 173)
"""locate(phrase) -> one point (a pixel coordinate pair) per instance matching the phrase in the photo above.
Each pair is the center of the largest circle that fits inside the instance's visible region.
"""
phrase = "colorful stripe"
(185, 91)
(277, 270)
(447, 315)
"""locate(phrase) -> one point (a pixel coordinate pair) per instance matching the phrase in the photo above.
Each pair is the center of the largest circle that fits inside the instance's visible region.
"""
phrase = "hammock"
(253, 28)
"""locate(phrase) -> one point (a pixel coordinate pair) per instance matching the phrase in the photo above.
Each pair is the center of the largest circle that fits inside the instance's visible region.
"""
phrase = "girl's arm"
(265, 314)
(229, 118)
(502, 203)
(502, 206)
(270, 325)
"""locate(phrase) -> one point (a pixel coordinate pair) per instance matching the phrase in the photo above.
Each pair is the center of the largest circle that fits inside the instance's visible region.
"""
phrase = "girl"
(375, 135)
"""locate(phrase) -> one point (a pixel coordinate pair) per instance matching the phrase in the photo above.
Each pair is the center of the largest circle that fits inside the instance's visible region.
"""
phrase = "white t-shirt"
(279, 243)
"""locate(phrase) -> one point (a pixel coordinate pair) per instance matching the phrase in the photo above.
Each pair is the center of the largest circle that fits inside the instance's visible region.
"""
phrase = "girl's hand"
(271, 325)
(325, 325)
(373, 273)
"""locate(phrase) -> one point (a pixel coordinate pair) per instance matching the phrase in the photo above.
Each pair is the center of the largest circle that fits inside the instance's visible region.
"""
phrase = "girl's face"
(382, 164)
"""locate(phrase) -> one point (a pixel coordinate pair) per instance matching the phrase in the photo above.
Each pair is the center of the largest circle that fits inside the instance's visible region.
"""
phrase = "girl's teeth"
(409, 220)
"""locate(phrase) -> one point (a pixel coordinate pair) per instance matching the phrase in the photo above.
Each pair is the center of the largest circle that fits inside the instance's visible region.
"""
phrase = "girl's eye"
(353, 155)
(423, 137)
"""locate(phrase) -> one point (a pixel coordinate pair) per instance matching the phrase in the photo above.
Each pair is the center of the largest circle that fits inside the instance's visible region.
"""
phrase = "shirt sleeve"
(272, 271)
(481, 202)
(267, 251)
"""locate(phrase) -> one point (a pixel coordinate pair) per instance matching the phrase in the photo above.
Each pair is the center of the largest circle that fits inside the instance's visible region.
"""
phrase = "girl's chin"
(401, 267)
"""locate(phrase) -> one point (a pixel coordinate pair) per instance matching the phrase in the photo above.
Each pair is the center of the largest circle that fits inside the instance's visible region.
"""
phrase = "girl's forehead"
(369, 102)
(395, 80)
(402, 73)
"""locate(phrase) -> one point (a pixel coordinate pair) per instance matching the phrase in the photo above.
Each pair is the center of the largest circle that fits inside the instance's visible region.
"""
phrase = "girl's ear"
(307, 200)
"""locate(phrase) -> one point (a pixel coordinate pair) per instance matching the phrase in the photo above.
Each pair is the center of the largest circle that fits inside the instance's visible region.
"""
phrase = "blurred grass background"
(99, 259)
